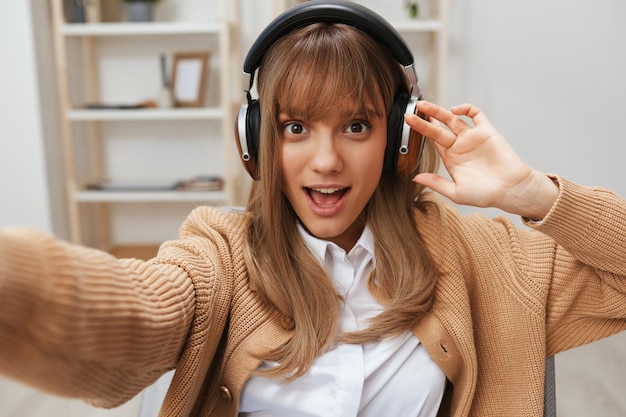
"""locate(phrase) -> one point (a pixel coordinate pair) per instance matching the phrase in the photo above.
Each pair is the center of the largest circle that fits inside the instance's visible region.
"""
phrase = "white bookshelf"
(85, 54)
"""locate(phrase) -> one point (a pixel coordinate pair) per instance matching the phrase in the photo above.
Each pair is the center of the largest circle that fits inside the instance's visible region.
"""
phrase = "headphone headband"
(330, 12)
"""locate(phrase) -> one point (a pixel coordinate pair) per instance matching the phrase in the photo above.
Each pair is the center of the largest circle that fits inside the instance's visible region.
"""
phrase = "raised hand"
(485, 170)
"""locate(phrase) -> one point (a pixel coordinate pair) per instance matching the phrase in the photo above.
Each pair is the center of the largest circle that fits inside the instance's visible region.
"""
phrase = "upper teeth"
(326, 190)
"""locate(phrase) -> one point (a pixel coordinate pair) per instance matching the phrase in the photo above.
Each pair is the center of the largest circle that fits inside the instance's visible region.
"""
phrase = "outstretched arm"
(485, 170)
(77, 322)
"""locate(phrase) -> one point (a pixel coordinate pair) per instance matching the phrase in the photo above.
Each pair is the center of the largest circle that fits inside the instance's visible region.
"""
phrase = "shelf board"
(85, 196)
(208, 28)
(417, 25)
(203, 113)
(147, 28)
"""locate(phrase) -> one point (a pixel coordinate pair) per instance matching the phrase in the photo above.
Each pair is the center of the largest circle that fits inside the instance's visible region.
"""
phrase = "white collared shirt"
(392, 377)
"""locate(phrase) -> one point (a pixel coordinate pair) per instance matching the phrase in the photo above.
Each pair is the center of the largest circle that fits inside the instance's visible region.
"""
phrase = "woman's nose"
(327, 154)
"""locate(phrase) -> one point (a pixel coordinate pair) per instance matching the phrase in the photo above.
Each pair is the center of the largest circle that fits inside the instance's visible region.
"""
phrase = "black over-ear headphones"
(404, 146)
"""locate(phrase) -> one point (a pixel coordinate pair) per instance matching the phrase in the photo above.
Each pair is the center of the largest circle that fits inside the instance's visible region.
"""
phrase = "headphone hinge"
(246, 82)
(411, 75)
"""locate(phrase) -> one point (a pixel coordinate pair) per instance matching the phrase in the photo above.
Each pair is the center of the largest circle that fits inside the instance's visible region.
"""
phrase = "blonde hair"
(311, 71)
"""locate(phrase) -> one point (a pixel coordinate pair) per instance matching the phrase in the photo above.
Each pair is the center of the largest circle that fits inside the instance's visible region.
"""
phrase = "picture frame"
(189, 78)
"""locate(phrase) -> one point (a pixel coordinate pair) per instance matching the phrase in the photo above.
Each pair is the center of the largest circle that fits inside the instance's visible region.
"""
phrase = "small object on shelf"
(413, 8)
(118, 185)
(165, 94)
(140, 10)
(74, 11)
(148, 104)
(201, 183)
(189, 77)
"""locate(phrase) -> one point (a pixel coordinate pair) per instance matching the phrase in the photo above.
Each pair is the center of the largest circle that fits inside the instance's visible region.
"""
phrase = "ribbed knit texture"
(78, 322)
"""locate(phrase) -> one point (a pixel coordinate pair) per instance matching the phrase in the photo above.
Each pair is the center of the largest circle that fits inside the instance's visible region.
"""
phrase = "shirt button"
(287, 322)
(226, 394)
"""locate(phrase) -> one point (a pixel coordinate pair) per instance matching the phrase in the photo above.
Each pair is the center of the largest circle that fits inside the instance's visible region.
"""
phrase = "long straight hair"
(312, 71)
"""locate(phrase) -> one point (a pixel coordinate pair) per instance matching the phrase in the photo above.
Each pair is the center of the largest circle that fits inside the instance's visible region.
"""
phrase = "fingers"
(445, 126)
(471, 111)
(437, 183)
(432, 129)
(451, 119)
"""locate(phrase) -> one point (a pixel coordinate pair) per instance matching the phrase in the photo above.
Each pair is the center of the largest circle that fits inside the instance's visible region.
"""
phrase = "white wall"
(24, 191)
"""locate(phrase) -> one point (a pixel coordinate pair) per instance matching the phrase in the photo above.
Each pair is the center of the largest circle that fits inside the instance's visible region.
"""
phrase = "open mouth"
(326, 197)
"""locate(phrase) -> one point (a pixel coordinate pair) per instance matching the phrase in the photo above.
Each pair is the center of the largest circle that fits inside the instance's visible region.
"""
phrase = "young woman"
(345, 288)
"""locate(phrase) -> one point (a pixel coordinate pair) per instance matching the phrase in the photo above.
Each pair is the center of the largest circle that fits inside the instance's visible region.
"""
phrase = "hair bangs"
(328, 73)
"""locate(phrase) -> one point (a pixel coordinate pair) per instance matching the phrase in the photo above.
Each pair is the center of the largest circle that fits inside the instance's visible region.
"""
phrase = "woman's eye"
(357, 127)
(294, 128)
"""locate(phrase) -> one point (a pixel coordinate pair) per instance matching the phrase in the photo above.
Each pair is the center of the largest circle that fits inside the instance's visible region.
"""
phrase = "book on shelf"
(199, 183)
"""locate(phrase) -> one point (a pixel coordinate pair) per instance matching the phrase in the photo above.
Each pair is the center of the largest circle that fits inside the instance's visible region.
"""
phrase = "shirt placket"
(349, 357)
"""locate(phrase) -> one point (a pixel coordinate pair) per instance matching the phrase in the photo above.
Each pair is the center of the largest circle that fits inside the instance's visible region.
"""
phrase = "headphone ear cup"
(248, 124)
(408, 161)
(253, 132)
(395, 123)
(401, 158)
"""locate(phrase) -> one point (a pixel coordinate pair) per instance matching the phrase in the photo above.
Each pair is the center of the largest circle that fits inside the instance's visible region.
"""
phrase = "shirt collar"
(319, 247)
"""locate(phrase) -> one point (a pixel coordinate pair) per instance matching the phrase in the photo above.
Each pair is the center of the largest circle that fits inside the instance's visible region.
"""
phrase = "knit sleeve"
(591, 223)
(78, 322)
(587, 298)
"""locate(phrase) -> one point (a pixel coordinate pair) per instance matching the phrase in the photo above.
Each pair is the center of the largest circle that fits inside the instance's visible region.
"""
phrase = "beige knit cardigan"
(77, 322)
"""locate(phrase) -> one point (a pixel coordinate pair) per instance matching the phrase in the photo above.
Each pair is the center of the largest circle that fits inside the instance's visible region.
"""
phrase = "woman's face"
(330, 169)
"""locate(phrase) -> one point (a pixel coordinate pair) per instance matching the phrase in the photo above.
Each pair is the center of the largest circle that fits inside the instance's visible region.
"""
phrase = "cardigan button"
(287, 322)
(226, 394)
